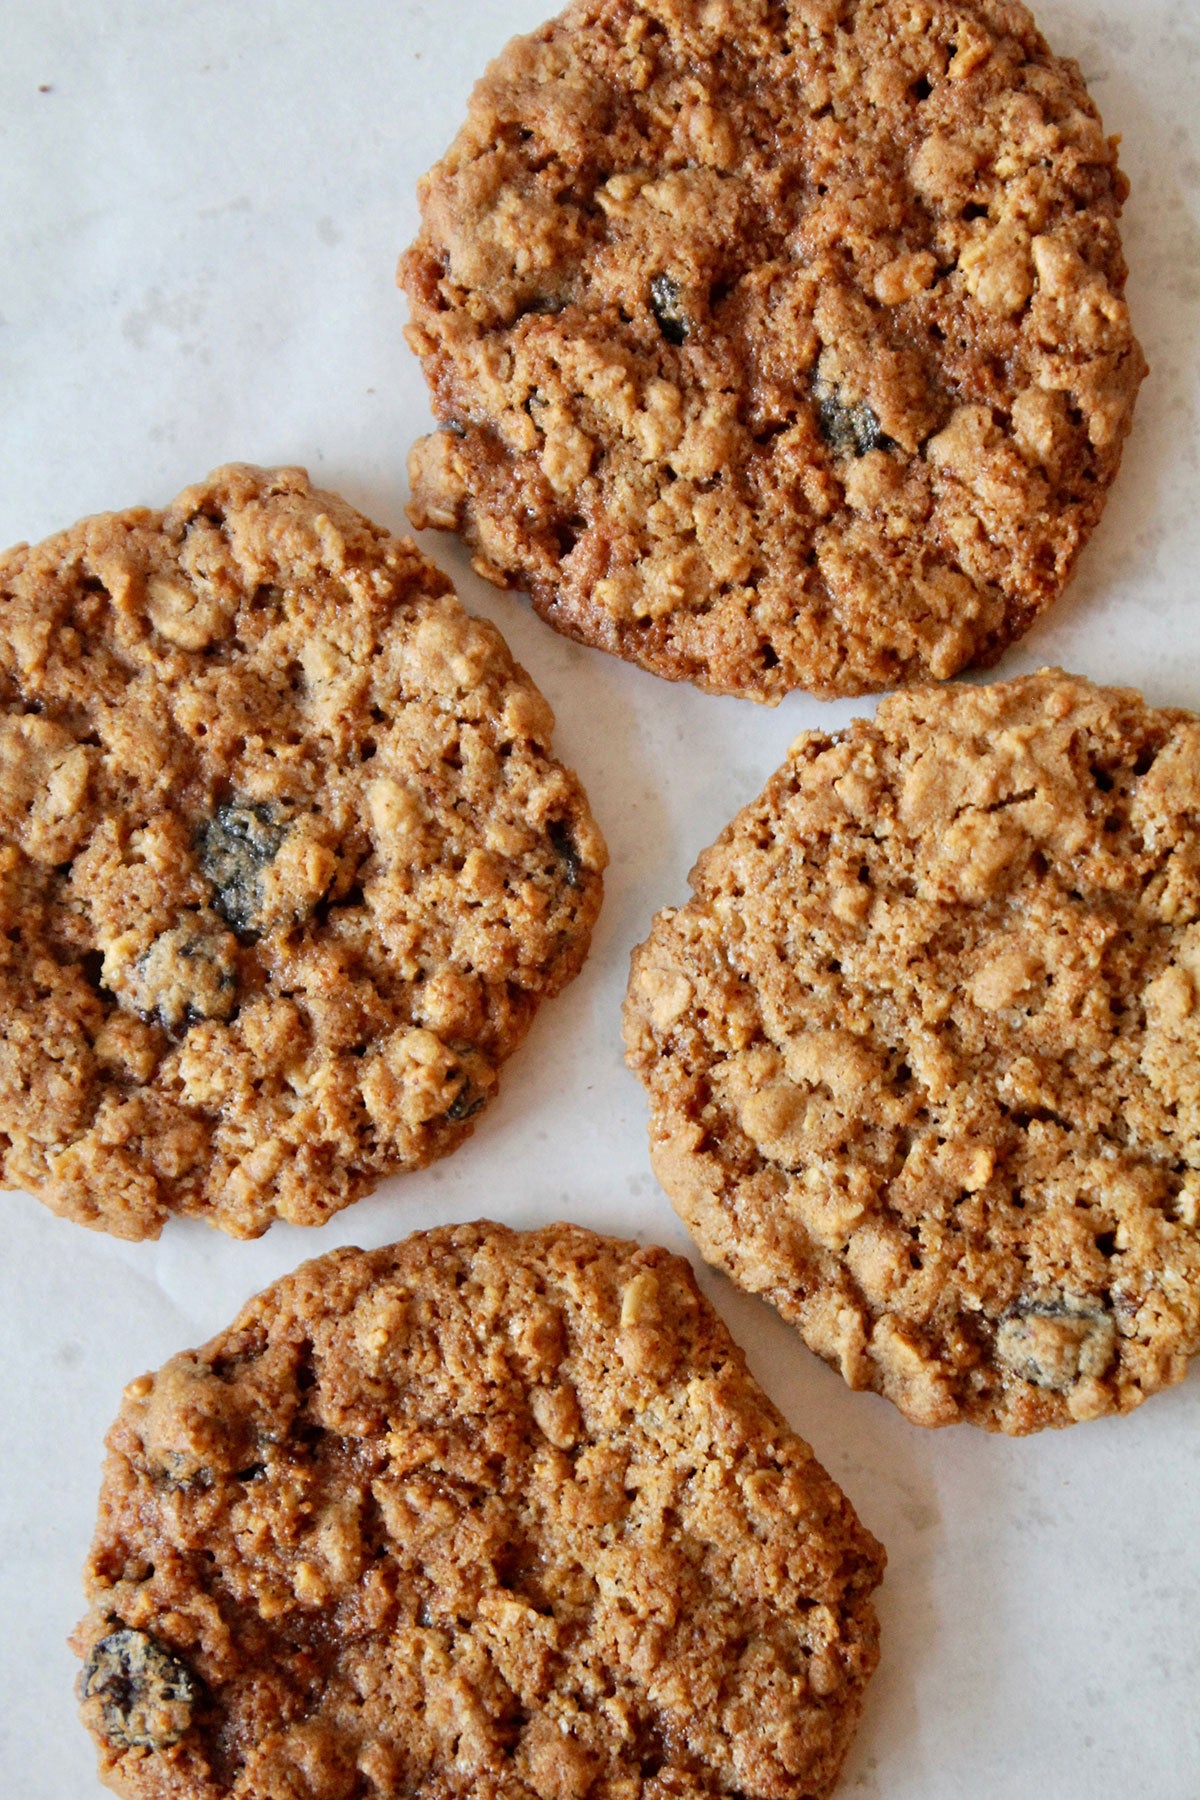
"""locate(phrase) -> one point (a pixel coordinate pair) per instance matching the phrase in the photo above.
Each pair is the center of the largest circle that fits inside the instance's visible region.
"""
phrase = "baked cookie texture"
(286, 864)
(923, 1050)
(480, 1514)
(776, 345)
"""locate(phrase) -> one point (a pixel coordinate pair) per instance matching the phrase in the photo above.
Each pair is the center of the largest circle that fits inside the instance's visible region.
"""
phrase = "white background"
(199, 221)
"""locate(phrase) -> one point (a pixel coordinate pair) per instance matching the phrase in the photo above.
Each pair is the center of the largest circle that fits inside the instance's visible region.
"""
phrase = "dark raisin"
(465, 1104)
(1054, 1341)
(187, 974)
(665, 304)
(177, 1470)
(143, 1695)
(566, 852)
(850, 428)
(235, 846)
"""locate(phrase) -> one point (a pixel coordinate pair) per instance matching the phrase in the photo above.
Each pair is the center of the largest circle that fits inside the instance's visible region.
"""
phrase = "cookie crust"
(776, 346)
(922, 1050)
(286, 864)
(483, 1513)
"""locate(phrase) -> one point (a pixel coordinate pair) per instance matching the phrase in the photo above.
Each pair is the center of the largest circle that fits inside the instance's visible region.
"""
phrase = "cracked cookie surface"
(286, 864)
(480, 1514)
(923, 1050)
(776, 345)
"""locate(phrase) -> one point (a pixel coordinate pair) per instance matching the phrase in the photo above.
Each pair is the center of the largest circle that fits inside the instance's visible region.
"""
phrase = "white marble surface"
(201, 202)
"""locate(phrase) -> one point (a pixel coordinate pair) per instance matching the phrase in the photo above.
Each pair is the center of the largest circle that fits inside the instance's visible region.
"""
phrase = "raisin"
(465, 1104)
(186, 975)
(850, 428)
(144, 1696)
(1055, 1342)
(235, 846)
(566, 852)
(665, 304)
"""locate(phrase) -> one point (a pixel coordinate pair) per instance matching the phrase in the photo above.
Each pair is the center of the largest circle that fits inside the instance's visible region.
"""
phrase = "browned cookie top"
(480, 1515)
(776, 345)
(285, 862)
(923, 1052)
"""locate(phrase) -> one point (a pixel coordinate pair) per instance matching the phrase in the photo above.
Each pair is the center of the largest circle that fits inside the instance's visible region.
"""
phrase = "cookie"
(923, 1051)
(286, 864)
(776, 346)
(480, 1514)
